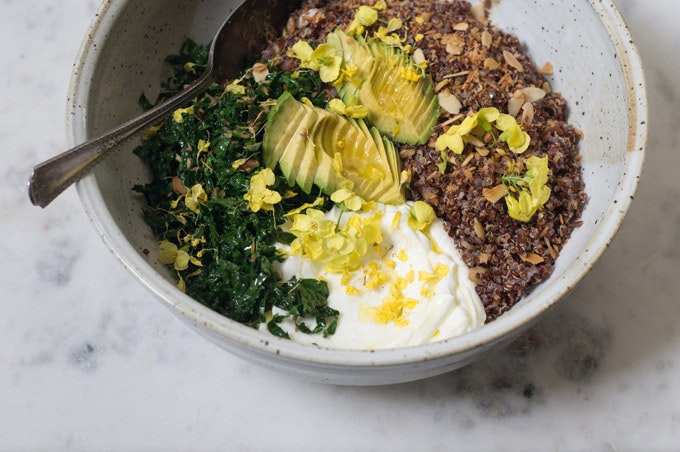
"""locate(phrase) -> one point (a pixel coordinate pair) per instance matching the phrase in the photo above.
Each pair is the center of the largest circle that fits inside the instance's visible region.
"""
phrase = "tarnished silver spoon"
(246, 31)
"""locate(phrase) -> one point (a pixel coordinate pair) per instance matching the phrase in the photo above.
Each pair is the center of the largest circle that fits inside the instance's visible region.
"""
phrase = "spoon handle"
(53, 176)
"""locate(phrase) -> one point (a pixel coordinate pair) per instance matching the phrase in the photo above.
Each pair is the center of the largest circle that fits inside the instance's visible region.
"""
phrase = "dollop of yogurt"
(411, 289)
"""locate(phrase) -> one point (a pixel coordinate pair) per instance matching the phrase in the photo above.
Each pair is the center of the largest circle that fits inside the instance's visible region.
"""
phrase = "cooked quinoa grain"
(475, 65)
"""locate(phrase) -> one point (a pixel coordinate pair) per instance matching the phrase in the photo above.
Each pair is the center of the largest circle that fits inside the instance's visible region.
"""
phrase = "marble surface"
(90, 361)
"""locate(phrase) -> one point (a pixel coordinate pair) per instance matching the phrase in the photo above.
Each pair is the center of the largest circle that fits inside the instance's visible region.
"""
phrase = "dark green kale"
(202, 162)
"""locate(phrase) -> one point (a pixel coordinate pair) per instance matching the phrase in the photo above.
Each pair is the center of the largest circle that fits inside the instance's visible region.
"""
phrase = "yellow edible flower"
(260, 197)
(189, 68)
(488, 120)
(324, 59)
(380, 5)
(203, 146)
(341, 249)
(194, 197)
(150, 132)
(353, 111)
(411, 74)
(422, 215)
(531, 189)
(347, 200)
(518, 140)
(170, 254)
(364, 17)
(178, 114)
(236, 88)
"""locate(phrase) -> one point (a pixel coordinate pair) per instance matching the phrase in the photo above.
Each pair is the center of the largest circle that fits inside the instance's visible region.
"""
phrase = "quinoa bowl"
(595, 68)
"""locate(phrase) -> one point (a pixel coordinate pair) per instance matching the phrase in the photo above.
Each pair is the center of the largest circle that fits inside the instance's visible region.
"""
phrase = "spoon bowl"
(248, 28)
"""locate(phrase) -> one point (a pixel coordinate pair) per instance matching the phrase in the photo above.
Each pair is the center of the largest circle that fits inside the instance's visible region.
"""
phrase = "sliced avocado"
(406, 109)
(294, 156)
(287, 113)
(306, 155)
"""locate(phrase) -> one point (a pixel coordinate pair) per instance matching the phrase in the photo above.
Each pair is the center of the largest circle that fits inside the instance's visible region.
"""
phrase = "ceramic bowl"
(597, 70)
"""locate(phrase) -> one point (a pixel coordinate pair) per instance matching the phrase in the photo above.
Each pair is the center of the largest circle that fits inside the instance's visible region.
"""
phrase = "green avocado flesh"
(406, 109)
(304, 141)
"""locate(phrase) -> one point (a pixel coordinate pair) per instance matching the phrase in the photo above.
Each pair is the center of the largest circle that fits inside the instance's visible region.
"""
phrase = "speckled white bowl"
(597, 69)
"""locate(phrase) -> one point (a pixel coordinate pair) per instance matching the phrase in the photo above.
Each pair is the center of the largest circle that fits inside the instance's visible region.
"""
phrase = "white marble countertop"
(90, 361)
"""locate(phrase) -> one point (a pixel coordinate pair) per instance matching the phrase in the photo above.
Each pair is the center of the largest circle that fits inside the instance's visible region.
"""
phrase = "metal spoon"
(246, 31)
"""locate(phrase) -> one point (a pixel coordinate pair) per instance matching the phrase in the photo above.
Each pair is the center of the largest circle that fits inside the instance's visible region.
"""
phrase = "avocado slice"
(305, 151)
(406, 109)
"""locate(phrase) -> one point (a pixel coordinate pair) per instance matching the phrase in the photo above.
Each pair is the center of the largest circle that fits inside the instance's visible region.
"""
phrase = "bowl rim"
(236, 333)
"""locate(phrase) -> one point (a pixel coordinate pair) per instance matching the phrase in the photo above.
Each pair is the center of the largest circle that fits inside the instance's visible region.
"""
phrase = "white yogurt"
(439, 308)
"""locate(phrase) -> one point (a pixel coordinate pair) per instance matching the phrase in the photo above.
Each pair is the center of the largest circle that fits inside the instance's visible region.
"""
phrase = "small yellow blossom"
(194, 197)
(422, 215)
(354, 111)
(203, 147)
(411, 74)
(419, 37)
(236, 88)
(170, 254)
(260, 197)
(364, 17)
(178, 114)
(324, 59)
(150, 132)
(487, 120)
(238, 163)
(531, 189)
(518, 140)
(347, 200)
(380, 5)
(190, 68)
(341, 249)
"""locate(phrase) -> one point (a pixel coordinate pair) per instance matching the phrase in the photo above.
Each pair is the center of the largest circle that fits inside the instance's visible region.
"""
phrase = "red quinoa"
(481, 66)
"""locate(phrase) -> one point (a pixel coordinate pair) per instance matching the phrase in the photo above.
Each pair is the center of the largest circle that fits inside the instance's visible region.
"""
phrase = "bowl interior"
(596, 69)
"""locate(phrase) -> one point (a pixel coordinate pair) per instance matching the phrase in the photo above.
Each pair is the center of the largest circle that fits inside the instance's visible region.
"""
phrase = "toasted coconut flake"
(486, 39)
(418, 56)
(260, 72)
(546, 87)
(546, 69)
(491, 65)
(515, 103)
(178, 186)
(454, 44)
(461, 26)
(449, 102)
(532, 258)
(475, 274)
(468, 159)
(527, 114)
(477, 11)
(439, 86)
(512, 61)
(483, 152)
(479, 229)
(533, 94)
(484, 258)
(495, 194)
